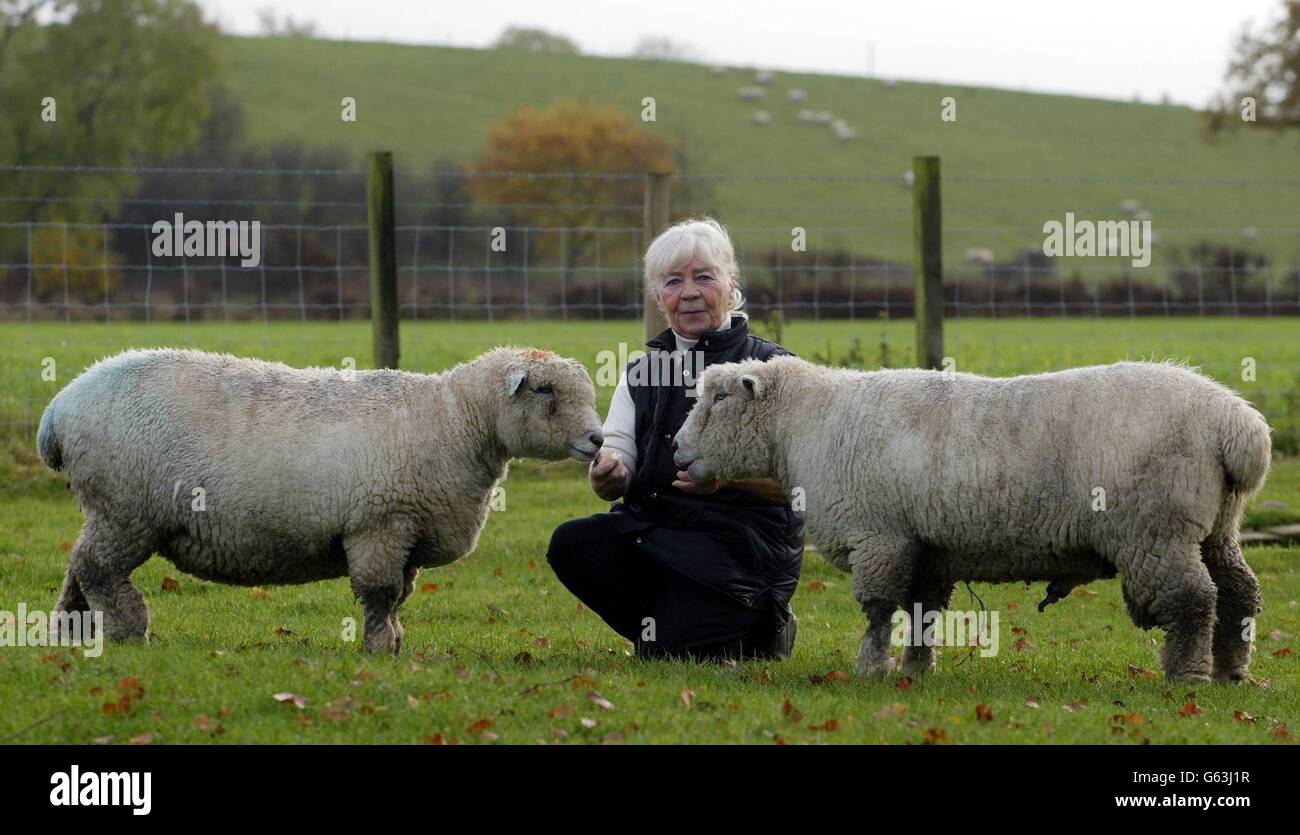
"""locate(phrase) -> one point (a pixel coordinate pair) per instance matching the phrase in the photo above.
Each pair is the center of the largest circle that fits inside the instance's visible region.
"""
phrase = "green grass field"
(497, 650)
(431, 103)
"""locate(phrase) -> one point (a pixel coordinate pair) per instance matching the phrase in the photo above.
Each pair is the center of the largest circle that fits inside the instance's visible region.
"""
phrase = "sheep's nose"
(674, 444)
(597, 439)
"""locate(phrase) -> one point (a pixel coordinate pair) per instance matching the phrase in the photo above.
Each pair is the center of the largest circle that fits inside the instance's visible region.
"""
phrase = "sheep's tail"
(1245, 448)
(47, 441)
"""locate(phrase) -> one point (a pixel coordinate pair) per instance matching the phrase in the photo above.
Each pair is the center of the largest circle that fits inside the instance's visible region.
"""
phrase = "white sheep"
(761, 118)
(751, 93)
(250, 472)
(914, 480)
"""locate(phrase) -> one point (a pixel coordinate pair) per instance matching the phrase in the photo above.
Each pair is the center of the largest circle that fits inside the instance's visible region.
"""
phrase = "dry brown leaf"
(293, 698)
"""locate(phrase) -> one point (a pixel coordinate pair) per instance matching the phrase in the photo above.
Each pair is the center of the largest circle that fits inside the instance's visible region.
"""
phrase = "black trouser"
(625, 586)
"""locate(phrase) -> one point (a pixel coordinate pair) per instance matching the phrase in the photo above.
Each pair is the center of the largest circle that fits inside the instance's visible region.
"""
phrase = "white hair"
(678, 244)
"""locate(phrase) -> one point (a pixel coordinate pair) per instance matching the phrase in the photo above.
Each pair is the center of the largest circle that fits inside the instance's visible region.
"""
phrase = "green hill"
(426, 103)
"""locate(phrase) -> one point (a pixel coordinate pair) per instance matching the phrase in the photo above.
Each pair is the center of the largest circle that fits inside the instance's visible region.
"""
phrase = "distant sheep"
(249, 472)
(762, 118)
(915, 480)
(751, 93)
(796, 95)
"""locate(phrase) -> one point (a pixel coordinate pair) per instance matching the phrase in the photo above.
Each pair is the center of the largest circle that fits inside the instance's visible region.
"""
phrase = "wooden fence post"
(658, 197)
(383, 258)
(927, 260)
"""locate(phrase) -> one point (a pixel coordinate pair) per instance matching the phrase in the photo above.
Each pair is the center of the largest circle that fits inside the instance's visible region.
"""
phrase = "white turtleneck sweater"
(620, 424)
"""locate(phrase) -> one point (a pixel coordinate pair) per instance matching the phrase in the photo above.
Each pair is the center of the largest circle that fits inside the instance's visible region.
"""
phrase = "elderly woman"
(682, 569)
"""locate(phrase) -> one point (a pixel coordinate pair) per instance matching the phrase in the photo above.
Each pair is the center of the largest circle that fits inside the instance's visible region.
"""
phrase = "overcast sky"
(1105, 48)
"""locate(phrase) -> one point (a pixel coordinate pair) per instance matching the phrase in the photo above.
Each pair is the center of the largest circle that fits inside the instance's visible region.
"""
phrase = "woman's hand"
(609, 476)
(696, 488)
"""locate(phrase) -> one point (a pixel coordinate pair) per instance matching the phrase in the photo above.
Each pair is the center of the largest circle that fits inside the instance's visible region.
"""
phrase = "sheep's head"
(549, 407)
(726, 435)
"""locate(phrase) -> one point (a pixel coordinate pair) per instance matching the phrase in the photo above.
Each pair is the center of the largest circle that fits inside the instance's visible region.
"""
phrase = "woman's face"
(694, 297)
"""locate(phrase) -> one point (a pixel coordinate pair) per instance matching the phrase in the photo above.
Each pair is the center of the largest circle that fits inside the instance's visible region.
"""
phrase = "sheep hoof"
(874, 668)
(1233, 676)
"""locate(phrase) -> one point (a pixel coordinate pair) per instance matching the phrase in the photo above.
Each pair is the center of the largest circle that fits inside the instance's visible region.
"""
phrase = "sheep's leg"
(1237, 601)
(72, 600)
(882, 575)
(409, 575)
(934, 596)
(100, 567)
(377, 570)
(1171, 588)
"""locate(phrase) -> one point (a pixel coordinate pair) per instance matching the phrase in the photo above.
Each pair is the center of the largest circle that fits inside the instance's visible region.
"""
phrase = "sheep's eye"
(719, 396)
(546, 389)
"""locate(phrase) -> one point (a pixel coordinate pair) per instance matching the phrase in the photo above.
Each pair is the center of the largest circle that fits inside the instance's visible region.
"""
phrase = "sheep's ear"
(752, 386)
(517, 380)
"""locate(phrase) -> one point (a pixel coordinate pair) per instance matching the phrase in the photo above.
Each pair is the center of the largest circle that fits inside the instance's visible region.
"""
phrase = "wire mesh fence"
(555, 259)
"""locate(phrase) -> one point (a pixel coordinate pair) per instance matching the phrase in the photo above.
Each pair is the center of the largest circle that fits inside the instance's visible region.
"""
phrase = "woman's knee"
(570, 542)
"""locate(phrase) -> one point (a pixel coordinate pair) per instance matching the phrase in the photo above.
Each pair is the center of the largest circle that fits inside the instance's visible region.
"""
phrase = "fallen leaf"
(599, 700)
(480, 726)
(1282, 653)
(427, 587)
(282, 631)
(904, 684)
(587, 722)
(531, 565)
(983, 713)
(934, 736)
(828, 725)
(687, 696)
(297, 701)
(833, 675)
(544, 643)
(1075, 707)
(1190, 709)
(1242, 716)
(524, 658)
(258, 591)
(1032, 703)
(142, 739)
(817, 585)
(1138, 671)
(168, 584)
(560, 712)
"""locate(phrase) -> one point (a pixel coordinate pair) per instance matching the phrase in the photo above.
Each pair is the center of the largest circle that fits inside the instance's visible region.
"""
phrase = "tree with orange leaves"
(568, 137)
